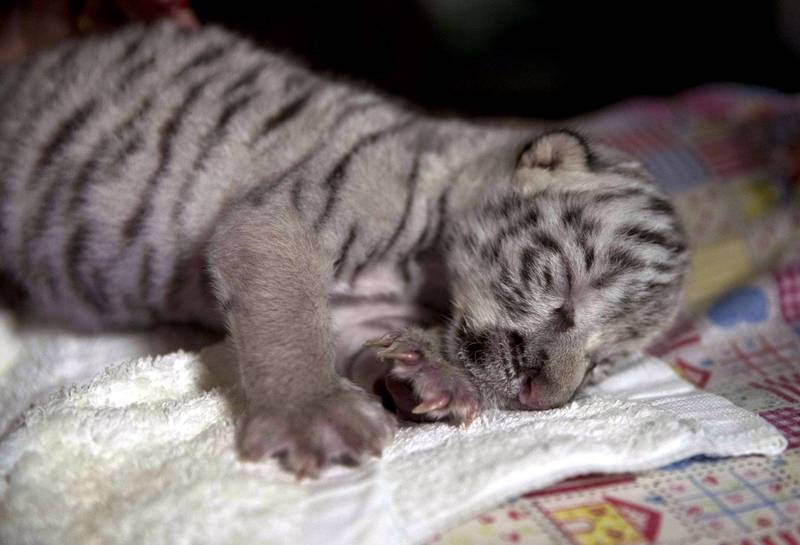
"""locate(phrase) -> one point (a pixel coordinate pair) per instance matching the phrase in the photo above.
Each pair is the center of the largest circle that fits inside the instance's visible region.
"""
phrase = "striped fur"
(163, 175)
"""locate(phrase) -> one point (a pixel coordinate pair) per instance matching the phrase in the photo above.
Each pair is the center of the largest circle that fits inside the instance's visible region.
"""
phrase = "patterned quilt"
(730, 155)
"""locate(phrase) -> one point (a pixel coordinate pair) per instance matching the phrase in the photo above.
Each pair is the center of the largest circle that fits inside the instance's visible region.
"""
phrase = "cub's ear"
(559, 150)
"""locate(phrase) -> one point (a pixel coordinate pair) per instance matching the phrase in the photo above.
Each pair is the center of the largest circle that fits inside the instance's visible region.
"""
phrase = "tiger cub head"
(576, 259)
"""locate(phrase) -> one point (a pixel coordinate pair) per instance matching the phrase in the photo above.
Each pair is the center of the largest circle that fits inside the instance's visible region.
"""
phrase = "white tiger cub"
(159, 175)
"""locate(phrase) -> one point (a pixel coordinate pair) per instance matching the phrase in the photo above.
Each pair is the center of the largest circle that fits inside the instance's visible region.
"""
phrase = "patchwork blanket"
(141, 453)
(730, 155)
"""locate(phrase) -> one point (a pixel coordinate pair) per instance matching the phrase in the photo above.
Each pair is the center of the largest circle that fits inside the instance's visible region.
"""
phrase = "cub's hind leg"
(272, 281)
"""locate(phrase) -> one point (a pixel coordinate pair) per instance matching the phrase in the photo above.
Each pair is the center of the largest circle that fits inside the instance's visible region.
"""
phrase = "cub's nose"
(532, 395)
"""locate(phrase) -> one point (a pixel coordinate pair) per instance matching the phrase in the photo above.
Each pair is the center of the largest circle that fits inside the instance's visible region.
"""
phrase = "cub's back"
(117, 154)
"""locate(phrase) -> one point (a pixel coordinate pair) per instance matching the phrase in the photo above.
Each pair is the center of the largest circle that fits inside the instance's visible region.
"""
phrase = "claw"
(375, 449)
(472, 413)
(431, 405)
(384, 341)
(408, 357)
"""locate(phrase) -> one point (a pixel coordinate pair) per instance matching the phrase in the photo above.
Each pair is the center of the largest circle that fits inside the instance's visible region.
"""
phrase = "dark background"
(546, 58)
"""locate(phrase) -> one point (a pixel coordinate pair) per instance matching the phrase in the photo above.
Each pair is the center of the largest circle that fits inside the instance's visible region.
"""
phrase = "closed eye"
(473, 344)
(563, 319)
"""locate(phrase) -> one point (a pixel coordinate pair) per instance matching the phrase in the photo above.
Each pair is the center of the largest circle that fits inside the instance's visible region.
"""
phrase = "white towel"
(143, 453)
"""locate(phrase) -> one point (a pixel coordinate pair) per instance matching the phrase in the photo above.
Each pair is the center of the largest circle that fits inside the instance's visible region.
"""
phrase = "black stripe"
(586, 230)
(562, 319)
(491, 250)
(572, 217)
(36, 224)
(419, 244)
(45, 272)
(620, 194)
(131, 75)
(246, 80)
(45, 213)
(441, 208)
(130, 50)
(411, 253)
(45, 210)
(354, 299)
(338, 174)
(169, 131)
(510, 285)
(146, 274)
(232, 109)
(65, 58)
(363, 264)
(136, 116)
(86, 174)
(341, 259)
(625, 259)
(510, 296)
(507, 365)
(134, 144)
(203, 58)
(210, 142)
(660, 205)
(24, 71)
(588, 257)
(98, 292)
(179, 281)
(76, 247)
(526, 261)
(217, 133)
(411, 187)
(51, 74)
(546, 241)
(505, 207)
(547, 278)
(294, 80)
(516, 343)
(663, 267)
(474, 344)
(620, 261)
(64, 134)
(516, 306)
(645, 235)
(283, 115)
(567, 271)
(297, 193)
(257, 195)
(528, 221)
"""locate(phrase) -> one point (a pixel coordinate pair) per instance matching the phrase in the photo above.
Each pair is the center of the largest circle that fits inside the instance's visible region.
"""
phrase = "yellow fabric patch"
(716, 269)
(598, 524)
(758, 197)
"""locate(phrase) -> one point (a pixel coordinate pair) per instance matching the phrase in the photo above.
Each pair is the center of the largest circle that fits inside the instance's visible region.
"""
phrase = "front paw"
(441, 390)
(342, 427)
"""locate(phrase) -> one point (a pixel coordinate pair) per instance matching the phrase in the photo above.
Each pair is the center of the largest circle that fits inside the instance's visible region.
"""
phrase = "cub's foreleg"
(272, 280)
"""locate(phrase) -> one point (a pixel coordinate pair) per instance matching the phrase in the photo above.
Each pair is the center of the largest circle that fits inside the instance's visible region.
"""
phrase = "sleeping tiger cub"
(161, 175)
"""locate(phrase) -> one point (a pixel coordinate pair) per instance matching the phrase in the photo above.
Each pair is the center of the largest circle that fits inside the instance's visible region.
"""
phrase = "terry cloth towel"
(143, 452)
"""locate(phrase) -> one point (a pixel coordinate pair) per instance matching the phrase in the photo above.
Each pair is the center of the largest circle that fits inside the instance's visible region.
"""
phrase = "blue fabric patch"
(744, 305)
(686, 462)
(676, 168)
